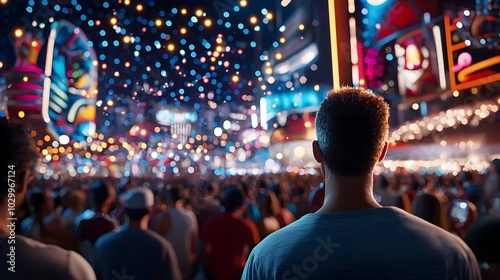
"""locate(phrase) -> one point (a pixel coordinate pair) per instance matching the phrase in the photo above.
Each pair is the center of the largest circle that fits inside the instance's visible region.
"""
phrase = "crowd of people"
(213, 227)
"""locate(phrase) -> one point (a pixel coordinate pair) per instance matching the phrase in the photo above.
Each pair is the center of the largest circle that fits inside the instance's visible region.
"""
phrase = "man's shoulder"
(31, 245)
(43, 259)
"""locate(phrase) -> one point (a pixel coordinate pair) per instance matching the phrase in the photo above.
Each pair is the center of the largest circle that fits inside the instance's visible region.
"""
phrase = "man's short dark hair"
(352, 126)
(136, 214)
(233, 198)
(101, 193)
(17, 148)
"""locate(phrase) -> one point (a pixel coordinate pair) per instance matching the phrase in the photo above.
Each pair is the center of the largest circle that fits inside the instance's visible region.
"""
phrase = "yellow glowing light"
(243, 3)
(218, 48)
(415, 106)
(307, 124)
(282, 40)
(253, 20)
(183, 30)
(112, 158)
(199, 13)
(34, 44)
(278, 56)
(269, 71)
(18, 33)
(21, 114)
(127, 2)
(183, 11)
(3, 2)
(235, 78)
(158, 22)
(1, 64)
(126, 39)
(456, 93)
(139, 7)
(25, 79)
(113, 21)
(316, 87)
(269, 16)
(110, 103)
(208, 22)
(171, 47)
(301, 27)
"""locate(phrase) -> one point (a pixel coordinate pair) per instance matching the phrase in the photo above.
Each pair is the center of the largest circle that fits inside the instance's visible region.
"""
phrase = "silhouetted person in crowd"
(42, 204)
(92, 224)
(269, 208)
(180, 229)
(134, 251)
(483, 237)
(491, 190)
(228, 239)
(351, 236)
(20, 257)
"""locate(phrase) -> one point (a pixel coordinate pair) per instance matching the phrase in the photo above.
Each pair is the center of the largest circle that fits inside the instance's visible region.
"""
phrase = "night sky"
(174, 52)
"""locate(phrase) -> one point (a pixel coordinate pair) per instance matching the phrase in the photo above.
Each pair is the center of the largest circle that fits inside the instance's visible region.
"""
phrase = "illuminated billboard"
(62, 97)
(70, 88)
(473, 59)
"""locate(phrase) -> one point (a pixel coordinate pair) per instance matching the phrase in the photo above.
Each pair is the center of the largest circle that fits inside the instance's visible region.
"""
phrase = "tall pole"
(339, 39)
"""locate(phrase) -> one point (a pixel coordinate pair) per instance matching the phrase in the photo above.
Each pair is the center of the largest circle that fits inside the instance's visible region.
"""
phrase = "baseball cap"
(138, 198)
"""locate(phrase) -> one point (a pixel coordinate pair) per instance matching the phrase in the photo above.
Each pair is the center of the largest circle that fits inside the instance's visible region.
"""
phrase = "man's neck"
(344, 193)
(139, 224)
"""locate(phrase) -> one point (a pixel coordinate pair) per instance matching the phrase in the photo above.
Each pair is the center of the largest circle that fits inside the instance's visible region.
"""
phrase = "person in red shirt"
(228, 239)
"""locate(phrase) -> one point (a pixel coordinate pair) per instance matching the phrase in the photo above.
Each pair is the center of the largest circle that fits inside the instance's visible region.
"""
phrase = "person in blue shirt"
(352, 236)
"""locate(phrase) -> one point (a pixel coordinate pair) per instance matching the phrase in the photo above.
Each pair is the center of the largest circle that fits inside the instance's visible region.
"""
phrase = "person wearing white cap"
(134, 251)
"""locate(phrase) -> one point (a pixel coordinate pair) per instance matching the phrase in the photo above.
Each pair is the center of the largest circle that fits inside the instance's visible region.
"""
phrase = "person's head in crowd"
(75, 200)
(495, 165)
(42, 201)
(269, 205)
(383, 182)
(138, 203)
(174, 196)
(233, 200)
(352, 126)
(209, 188)
(466, 176)
(18, 157)
(103, 196)
(428, 207)
(483, 239)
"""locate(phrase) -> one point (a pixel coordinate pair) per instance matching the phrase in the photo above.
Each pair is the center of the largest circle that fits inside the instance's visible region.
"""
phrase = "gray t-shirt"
(132, 253)
(36, 260)
(381, 243)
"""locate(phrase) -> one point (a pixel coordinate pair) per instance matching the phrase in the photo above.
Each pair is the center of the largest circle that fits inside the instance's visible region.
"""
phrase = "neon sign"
(469, 66)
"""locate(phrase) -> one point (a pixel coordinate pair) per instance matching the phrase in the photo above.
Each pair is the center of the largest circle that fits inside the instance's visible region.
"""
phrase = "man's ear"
(316, 151)
(384, 152)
